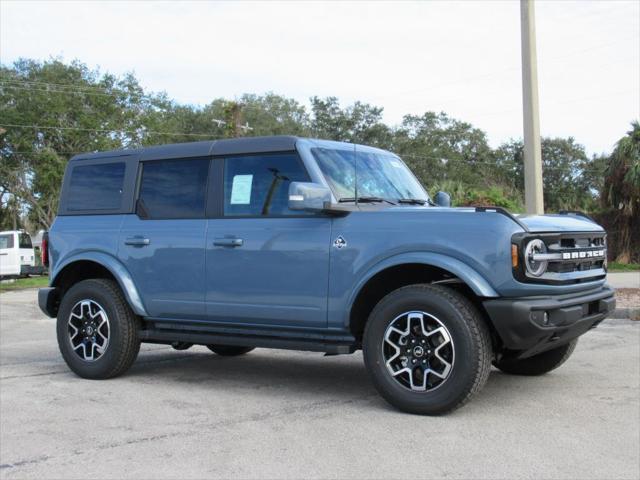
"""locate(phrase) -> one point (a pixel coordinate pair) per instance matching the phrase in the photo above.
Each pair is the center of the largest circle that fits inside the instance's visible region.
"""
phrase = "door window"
(173, 188)
(258, 185)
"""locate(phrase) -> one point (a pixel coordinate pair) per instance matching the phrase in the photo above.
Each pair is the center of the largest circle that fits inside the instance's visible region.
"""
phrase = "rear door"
(9, 257)
(266, 264)
(162, 245)
(27, 256)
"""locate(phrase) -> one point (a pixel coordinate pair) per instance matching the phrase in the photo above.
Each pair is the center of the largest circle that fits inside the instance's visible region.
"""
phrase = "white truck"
(17, 256)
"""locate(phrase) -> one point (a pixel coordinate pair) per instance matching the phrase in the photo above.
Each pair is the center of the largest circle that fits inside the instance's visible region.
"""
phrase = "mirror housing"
(442, 199)
(308, 196)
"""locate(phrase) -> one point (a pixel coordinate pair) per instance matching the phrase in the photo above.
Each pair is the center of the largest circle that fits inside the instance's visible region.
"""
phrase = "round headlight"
(535, 268)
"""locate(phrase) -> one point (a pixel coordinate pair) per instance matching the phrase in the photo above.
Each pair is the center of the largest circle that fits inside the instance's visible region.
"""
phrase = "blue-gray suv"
(285, 242)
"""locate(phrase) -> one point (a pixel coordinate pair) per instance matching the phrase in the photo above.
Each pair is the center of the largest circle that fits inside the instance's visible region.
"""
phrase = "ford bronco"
(285, 242)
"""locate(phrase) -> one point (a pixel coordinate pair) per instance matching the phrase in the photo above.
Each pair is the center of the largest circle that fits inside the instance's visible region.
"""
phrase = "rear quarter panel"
(73, 235)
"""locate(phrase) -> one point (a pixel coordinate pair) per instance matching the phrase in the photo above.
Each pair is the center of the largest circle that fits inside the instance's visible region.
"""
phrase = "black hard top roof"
(231, 146)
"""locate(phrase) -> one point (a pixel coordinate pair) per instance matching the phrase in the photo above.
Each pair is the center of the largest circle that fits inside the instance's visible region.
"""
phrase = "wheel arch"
(407, 269)
(97, 265)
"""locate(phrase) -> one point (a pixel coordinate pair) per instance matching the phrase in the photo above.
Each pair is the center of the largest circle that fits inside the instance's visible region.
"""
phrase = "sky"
(462, 58)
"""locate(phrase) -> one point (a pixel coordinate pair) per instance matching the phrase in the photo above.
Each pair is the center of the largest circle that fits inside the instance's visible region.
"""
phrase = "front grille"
(577, 253)
(573, 257)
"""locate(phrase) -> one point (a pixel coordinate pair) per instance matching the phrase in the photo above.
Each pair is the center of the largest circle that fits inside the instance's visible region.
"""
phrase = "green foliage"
(496, 195)
(22, 283)
(98, 112)
(69, 108)
(571, 180)
(623, 267)
(622, 192)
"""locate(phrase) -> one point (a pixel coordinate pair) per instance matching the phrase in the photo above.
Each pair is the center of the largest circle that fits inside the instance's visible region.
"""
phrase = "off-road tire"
(538, 364)
(124, 342)
(469, 334)
(229, 350)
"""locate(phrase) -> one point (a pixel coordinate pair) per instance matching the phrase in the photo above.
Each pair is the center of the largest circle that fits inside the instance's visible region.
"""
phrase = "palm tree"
(622, 191)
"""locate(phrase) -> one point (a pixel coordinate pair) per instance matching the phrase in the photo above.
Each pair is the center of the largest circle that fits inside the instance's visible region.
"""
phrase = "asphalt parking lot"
(281, 414)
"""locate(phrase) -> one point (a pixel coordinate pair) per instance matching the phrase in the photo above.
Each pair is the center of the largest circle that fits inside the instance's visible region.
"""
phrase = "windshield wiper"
(365, 200)
(412, 201)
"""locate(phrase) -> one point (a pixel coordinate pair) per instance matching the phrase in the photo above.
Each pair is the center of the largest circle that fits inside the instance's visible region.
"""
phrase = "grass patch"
(21, 283)
(623, 267)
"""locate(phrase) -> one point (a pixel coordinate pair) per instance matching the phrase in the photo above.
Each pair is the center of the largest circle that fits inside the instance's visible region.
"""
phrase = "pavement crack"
(22, 463)
(255, 417)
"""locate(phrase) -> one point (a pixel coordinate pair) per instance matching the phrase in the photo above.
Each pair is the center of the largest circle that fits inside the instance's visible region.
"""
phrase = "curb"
(629, 313)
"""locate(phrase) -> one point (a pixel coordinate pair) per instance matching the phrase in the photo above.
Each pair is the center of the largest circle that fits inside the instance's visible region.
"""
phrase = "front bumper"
(531, 325)
(48, 301)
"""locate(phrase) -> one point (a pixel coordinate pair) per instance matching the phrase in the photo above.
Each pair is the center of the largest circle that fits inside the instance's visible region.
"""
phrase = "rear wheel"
(97, 330)
(229, 350)
(427, 349)
(538, 364)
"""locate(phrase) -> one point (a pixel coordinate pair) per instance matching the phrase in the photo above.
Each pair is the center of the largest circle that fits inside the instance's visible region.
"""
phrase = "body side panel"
(474, 246)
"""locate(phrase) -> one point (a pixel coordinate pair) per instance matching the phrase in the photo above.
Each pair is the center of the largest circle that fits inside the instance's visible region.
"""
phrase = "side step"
(338, 345)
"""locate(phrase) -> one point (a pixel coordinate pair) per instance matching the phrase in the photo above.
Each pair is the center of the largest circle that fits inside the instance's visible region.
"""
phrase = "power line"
(69, 92)
(142, 131)
(113, 93)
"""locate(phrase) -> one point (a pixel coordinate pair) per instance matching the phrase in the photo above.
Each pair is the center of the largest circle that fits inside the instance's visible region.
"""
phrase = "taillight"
(44, 249)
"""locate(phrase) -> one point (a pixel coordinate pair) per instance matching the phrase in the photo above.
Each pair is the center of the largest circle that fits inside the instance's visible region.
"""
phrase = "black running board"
(339, 345)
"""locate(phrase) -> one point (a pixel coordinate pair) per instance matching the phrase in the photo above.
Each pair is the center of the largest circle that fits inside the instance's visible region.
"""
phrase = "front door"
(266, 265)
(162, 245)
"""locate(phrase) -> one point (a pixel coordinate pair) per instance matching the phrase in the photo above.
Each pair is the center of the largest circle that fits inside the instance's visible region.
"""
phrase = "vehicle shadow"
(262, 369)
(283, 374)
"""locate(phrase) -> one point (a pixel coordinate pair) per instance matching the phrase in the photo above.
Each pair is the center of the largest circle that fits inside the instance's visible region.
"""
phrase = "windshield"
(379, 175)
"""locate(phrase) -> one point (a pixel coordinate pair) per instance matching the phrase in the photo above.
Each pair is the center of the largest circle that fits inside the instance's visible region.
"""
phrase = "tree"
(622, 191)
(440, 148)
(357, 123)
(569, 177)
(52, 111)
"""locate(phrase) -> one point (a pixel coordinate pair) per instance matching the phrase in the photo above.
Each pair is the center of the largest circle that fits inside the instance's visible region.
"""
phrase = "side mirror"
(442, 199)
(308, 196)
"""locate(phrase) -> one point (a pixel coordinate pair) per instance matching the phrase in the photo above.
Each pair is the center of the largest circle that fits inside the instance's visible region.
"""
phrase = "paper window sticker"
(241, 189)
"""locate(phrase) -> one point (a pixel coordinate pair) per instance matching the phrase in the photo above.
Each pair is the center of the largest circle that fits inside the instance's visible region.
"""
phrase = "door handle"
(4, 254)
(228, 242)
(137, 241)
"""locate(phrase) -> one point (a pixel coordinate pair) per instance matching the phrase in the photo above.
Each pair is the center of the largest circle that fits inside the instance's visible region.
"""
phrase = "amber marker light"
(514, 256)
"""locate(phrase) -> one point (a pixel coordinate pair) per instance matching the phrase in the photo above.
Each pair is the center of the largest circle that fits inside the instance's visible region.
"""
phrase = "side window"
(258, 185)
(6, 240)
(96, 187)
(174, 188)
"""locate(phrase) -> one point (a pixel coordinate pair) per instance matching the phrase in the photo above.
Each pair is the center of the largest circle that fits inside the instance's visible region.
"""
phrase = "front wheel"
(538, 364)
(427, 349)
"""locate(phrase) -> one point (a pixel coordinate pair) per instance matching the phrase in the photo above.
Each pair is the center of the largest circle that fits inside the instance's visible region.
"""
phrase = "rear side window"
(174, 188)
(25, 241)
(6, 240)
(258, 185)
(96, 187)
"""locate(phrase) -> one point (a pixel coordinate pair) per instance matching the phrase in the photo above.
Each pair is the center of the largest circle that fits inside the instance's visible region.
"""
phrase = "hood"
(535, 223)
(559, 223)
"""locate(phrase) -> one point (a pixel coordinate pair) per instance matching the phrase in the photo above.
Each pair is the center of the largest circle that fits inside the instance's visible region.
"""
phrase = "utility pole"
(533, 196)
(233, 119)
